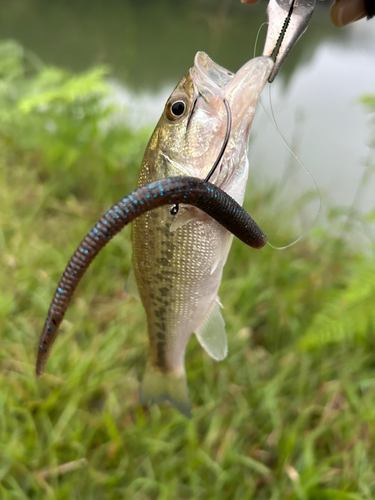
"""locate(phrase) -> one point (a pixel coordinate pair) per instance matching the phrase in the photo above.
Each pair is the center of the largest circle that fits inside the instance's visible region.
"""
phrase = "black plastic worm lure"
(188, 190)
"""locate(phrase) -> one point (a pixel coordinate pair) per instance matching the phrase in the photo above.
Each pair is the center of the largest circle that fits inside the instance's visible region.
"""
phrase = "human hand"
(343, 12)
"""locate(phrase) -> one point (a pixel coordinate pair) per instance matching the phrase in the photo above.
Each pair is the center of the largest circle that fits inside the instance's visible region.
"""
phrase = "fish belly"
(178, 275)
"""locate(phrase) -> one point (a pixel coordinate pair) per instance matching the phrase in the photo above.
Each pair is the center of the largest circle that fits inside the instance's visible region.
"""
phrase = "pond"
(150, 44)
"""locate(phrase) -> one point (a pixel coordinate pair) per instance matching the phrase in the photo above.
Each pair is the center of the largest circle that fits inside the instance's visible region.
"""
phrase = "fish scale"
(178, 260)
(199, 193)
(177, 275)
(183, 255)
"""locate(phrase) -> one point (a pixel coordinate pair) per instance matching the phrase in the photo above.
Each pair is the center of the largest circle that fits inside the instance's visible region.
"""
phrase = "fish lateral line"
(173, 190)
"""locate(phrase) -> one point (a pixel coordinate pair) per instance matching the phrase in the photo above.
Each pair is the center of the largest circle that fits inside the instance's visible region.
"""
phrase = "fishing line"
(256, 38)
(275, 124)
(225, 142)
(192, 111)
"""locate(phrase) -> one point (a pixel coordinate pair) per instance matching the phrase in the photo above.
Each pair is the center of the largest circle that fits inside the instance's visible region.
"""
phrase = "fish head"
(192, 129)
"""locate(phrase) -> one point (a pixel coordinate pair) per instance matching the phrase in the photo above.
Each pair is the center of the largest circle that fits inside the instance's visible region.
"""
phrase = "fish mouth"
(239, 92)
(241, 89)
(211, 73)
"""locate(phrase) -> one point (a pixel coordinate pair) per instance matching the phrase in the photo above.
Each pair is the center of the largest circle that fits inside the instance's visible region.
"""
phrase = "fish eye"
(175, 109)
(178, 108)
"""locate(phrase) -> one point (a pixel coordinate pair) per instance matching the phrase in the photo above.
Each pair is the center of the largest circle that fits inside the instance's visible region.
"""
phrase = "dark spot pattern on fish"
(166, 272)
(188, 190)
(164, 277)
(161, 302)
(162, 261)
(160, 313)
(163, 230)
(160, 362)
(161, 359)
(171, 246)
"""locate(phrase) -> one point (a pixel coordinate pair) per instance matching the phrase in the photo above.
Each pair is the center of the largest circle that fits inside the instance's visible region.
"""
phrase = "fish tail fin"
(157, 387)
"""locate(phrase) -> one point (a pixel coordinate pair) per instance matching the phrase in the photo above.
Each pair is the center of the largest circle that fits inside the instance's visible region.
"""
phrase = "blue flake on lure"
(116, 213)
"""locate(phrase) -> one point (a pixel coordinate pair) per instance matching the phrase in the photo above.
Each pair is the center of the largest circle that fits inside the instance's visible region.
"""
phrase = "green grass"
(281, 418)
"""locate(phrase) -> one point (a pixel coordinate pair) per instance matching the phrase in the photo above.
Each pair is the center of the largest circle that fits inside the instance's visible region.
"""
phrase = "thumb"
(344, 12)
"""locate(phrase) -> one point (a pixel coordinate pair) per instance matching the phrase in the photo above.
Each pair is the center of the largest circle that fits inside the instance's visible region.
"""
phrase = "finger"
(344, 12)
(249, 1)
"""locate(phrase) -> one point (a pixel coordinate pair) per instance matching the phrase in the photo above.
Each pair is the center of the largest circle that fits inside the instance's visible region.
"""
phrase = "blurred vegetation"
(290, 414)
(63, 126)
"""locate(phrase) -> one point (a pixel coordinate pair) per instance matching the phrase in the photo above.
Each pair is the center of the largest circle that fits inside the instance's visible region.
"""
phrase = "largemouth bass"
(178, 259)
(196, 192)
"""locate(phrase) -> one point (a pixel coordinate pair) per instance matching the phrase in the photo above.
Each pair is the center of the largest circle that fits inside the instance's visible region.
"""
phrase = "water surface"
(150, 44)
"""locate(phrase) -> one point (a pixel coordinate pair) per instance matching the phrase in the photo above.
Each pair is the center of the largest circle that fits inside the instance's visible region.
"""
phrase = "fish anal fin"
(211, 333)
(131, 286)
(158, 387)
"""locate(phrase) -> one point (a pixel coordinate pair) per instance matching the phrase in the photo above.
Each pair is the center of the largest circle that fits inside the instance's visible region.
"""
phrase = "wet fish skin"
(178, 261)
(167, 191)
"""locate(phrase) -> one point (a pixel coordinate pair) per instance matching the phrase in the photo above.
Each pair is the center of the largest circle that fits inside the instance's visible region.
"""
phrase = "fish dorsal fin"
(211, 333)
(131, 286)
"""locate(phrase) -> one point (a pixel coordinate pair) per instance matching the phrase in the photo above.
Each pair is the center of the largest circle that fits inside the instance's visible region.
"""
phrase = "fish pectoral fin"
(158, 387)
(211, 333)
(131, 286)
(186, 215)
